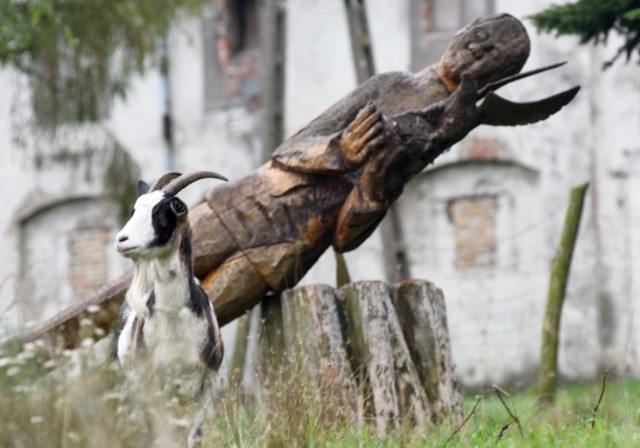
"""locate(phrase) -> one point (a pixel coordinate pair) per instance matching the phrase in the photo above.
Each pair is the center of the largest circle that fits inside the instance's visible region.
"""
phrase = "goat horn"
(176, 185)
(164, 180)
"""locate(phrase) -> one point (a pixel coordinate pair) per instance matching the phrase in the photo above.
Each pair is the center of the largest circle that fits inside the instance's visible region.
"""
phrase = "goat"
(168, 330)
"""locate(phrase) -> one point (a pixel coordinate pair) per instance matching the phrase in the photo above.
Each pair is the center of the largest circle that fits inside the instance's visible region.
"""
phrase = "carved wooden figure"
(332, 182)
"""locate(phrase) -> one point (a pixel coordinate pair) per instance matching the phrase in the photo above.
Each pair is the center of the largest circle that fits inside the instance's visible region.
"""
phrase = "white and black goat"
(169, 335)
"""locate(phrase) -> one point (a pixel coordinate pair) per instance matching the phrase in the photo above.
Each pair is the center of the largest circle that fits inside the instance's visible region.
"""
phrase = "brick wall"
(474, 222)
(88, 268)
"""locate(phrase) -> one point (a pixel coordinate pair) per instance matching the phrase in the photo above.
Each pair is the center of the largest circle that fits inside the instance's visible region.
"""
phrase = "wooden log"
(380, 354)
(236, 366)
(302, 359)
(63, 331)
(313, 334)
(421, 312)
(371, 351)
(273, 338)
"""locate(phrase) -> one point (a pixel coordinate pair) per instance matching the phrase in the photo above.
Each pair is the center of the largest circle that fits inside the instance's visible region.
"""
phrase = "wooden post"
(548, 373)
(239, 353)
(273, 97)
(274, 41)
(421, 312)
(314, 335)
(360, 39)
(380, 352)
(272, 329)
(396, 263)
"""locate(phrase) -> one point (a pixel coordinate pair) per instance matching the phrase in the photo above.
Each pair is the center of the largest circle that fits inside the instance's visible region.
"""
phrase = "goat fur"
(169, 332)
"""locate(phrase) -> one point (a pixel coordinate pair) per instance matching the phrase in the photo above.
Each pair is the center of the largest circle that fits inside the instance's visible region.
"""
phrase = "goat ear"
(178, 207)
(143, 188)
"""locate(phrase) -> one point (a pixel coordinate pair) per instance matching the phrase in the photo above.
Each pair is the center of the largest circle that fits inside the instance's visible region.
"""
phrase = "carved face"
(489, 49)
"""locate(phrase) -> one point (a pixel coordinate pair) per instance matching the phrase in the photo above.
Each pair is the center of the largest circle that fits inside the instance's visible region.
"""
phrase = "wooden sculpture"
(332, 182)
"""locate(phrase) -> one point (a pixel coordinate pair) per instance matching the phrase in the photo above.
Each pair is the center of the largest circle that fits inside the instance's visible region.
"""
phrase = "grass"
(571, 422)
(92, 409)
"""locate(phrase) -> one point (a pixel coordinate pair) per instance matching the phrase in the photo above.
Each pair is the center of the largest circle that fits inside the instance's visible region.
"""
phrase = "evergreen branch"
(593, 21)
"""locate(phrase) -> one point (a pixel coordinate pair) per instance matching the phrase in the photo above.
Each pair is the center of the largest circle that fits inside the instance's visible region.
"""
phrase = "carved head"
(488, 49)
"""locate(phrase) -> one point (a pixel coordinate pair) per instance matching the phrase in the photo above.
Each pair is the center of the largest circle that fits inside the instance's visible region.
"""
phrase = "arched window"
(476, 229)
(66, 253)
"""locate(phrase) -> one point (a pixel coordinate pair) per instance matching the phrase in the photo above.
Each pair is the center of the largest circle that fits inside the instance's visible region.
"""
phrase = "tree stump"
(382, 352)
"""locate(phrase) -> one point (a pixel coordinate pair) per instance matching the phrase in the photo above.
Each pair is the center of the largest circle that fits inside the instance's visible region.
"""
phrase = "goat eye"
(178, 207)
(132, 209)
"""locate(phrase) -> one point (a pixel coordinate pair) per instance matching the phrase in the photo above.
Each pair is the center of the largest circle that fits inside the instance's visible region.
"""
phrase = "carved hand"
(364, 135)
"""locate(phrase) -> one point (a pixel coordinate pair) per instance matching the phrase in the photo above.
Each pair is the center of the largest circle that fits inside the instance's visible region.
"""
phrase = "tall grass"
(90, 406)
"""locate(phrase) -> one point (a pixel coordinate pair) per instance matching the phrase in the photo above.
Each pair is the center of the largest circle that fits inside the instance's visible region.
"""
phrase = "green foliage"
(593, 21)
(79, 51)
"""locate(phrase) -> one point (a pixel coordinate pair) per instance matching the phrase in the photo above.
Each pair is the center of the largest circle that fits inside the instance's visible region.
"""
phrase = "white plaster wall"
(628, 305)
(13, 177)
(617, 129)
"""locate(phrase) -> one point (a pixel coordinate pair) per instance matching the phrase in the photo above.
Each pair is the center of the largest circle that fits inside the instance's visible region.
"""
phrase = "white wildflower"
(36, 419)
(113, 395)
(93, 308)
(23, 356)
(50, 364)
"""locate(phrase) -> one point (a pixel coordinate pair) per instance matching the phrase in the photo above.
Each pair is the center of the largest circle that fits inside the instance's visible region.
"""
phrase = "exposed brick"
(484, 149)
(88, 267)
(474, 221)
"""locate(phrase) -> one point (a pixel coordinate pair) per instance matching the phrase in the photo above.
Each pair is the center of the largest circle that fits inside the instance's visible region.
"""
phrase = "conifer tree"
(593, 21)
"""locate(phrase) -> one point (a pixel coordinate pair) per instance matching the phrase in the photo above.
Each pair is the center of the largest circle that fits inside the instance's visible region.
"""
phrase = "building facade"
(482, 223)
